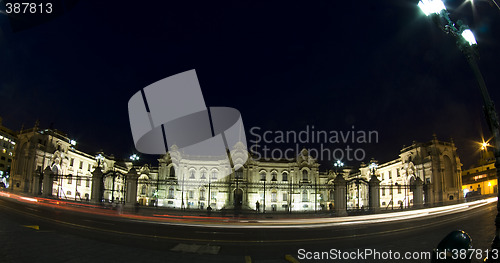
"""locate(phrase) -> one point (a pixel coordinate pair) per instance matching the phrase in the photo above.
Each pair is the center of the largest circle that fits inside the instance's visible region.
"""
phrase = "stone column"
(374, 191)
(418, 194)
(131, 190)
(340, 187)
(48, 182)
(36, 184)
(97, 186)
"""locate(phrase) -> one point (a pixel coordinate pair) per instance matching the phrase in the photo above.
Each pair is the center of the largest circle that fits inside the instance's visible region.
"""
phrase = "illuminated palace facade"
(194, 182)
(197, 182)
(435, 163)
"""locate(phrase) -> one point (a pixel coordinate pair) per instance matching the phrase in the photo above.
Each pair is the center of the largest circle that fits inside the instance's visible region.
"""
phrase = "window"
(172, 171)
(213, 195)
(285, 196)
(284, 177)
(383, 191)
(274, 179)
(3, 158)
(70, 179)
(68, 192)
(143, 190)
(390, 174)
(170, 192)
(304, 196)
(239, 174)
(399, 189)
(274, 196)
(191, 194)
(78, 180)
(397, 170)
(89, 167)
(331, 195)
(81, 165)
(191, 174)
(203, 173)
(305, 176)
(87, 182)
(202, 194)
(71, 162)
(214, 175)
(262, 176)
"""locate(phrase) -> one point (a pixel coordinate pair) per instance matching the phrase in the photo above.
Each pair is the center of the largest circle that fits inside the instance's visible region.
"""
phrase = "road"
(35, 233)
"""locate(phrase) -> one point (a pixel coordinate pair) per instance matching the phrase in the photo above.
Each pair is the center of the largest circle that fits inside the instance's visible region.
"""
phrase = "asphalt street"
(34, 233)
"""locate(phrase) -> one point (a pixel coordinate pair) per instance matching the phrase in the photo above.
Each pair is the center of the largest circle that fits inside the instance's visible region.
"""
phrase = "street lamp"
(99, 159)
(373, 166)
(338, 165)
(134, 157)
(468, 46)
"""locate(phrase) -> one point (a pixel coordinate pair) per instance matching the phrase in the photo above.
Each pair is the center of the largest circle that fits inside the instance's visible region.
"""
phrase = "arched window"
(262, 176)
(203, 174)
(284, 177)
(143, 190)
(332, 195)
(214, 175)
(305, 175)
(171, 192)
(274, 179)
(274, 196)
(191, 174)
(172, 171)
(239, 173)
(304, 196)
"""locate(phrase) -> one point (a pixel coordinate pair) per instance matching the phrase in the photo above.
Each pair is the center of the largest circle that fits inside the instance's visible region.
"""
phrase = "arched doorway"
(238, 198)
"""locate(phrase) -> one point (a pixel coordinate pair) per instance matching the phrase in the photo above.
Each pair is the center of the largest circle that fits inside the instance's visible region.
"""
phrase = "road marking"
(34, 227)
(199, 249)
(290, 258)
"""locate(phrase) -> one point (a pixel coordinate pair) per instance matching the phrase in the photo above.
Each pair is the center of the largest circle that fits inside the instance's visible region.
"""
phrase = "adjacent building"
(8, 139)
(481, 179)
(41, 149)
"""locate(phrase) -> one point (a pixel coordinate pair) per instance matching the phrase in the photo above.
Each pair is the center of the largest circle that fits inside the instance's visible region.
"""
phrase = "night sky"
(377, 65)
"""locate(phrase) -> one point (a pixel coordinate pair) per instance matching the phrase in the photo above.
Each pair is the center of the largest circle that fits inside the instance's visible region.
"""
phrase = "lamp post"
(373, 167)
(468, 46)
(100, 158)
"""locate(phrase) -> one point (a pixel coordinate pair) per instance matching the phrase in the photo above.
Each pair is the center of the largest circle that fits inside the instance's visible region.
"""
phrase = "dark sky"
(377, 65)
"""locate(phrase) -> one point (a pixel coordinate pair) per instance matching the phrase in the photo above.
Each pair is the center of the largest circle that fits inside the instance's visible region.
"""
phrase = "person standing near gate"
(257, 206)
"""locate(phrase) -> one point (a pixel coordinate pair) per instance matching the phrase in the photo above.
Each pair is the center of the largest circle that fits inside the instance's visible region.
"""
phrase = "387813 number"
(472, 253)
(28, 8)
